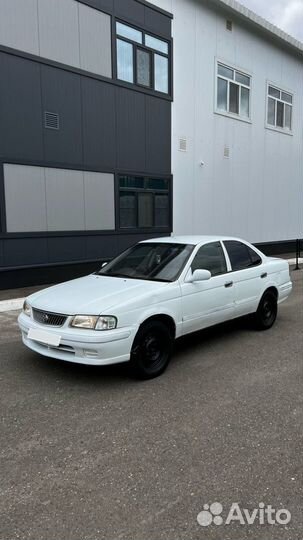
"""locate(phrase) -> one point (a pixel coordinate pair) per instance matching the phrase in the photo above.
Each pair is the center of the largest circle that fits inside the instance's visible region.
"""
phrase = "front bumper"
(96, 348)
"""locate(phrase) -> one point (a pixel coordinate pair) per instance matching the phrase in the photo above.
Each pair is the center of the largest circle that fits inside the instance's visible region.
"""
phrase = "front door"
(206, 303)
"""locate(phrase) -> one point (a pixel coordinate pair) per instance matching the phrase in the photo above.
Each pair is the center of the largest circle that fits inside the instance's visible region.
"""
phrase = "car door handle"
(229, 284)
(263, 275)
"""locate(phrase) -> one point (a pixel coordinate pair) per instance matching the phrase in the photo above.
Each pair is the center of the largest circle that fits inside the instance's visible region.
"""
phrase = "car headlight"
(27, 309)
(106, 323)
(91, 322)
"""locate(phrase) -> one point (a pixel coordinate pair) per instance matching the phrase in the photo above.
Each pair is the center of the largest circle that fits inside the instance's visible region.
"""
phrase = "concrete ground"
(89, 454)
(11, 294)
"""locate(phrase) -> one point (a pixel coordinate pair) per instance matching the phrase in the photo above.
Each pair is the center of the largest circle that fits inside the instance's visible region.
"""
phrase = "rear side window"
(241, 256)
(210, 257)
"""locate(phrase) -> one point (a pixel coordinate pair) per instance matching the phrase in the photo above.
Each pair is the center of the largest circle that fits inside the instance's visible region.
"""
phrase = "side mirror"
(200, 275)
(104, 264)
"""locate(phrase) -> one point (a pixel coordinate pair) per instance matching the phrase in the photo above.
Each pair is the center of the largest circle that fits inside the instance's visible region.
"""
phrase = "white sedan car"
(134, 308)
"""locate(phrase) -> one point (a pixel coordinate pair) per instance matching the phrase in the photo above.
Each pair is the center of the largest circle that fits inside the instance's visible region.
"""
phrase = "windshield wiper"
(135, 277)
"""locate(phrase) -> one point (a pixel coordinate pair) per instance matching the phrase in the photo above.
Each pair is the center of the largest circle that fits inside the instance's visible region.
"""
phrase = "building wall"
(70, 129)
(257, 192)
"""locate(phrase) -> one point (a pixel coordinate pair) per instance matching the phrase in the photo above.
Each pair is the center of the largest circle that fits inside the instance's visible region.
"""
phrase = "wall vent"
(229, 26)
(226, 152)
(51, 120)
(183, 144)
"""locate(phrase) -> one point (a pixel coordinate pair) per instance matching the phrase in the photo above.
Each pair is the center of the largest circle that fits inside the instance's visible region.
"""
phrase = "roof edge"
(251, 17)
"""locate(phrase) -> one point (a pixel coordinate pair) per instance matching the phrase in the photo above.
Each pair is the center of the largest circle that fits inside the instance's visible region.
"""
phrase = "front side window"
(144, 202)
(150, 261)
(210, 257)
(279, 108)
(241, 256)
(233, 91)
(142, 59)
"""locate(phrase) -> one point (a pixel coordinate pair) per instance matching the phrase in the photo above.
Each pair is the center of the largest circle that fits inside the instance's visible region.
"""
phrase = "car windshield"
(150, 261)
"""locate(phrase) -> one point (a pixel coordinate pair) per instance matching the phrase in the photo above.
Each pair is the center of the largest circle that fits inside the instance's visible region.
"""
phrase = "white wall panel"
(65, 200)
(19, 25)
(99, 201)
(59, 31)
(257, 192)
(24, 198)
(65, 31)
(47, 199)
(95, 41)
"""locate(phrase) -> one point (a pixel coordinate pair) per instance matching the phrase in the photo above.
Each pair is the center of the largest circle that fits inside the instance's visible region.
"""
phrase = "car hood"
(92, 295)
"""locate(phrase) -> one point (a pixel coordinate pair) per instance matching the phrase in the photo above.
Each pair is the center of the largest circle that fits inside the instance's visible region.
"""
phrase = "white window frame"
(246, 73)
(283, 129)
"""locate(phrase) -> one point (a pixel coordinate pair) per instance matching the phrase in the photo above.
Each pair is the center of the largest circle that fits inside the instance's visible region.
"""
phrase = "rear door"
(246, 275)
(209, 302)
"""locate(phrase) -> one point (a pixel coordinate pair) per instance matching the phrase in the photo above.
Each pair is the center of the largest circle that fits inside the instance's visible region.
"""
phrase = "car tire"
(267, 311)
(151, 351)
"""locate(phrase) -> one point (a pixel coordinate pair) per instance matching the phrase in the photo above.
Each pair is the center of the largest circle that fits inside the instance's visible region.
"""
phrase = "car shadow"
(78, 374)
(212, 334)
(119, 373)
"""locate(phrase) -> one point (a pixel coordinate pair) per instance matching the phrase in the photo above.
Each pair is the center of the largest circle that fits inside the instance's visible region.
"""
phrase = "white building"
(237, 172)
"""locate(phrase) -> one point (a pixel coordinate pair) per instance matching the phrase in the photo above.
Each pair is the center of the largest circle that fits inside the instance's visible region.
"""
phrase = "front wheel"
(267, 311)
(151, 350)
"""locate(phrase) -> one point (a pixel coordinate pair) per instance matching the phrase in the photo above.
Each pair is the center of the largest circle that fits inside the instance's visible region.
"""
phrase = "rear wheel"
(151, 350)
(267, 311)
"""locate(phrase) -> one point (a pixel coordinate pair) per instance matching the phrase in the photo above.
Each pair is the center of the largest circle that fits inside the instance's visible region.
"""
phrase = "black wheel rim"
(153, 351)
(268, 311)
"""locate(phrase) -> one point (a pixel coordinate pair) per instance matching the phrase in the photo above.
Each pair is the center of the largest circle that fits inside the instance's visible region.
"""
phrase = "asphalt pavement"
(89, 454)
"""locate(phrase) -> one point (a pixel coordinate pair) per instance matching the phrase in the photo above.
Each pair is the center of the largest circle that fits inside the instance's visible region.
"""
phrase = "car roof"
(192, 240)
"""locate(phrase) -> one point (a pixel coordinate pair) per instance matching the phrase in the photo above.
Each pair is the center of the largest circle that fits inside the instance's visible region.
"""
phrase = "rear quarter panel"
(278, 276)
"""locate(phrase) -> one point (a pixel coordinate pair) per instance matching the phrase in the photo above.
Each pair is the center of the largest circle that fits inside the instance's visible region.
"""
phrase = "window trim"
(151, 51)
(246, 72)
(285, 131)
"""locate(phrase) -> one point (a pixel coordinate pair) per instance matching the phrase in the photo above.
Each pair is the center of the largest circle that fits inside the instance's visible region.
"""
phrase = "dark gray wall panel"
(1, 253)
(20, 108)
(127, 240)
(101, 247)
(24, 251)
(61, 94)
(158, 135)
(99, 121)
(130, 10)
(64, 249)
(157, 23)
(107, 5)
(130, 130)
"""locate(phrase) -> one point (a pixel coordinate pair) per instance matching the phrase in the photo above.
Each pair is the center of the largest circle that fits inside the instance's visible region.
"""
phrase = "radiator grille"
(49, 319)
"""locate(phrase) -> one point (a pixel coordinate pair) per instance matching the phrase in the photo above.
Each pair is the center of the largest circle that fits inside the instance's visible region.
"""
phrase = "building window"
(233, 91)
(144, 202)
(142, 59)
(279, 108)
